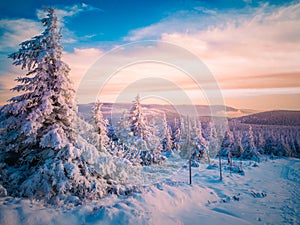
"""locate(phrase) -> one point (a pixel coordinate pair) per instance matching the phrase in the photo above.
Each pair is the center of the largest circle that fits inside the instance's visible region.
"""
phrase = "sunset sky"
(250, 48)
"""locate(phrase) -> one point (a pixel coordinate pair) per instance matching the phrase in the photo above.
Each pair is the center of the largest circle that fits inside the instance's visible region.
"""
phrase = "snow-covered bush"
(3, 192)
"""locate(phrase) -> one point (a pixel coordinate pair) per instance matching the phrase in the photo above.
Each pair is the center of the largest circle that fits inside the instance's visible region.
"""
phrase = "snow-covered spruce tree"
(137, 121)
(250, 151)
(42, 155)
(125, 147)
(227, 143)
(101, 127)
(143, 138)
(122, 128)
(44, 110)
(166, 135)
(176, 135)
(213, 143)
(270, 143)
(197, 141)
(237, 149)
(260, 141)
(111, 132)
(185, 138)
(167, 141)
(282, 147)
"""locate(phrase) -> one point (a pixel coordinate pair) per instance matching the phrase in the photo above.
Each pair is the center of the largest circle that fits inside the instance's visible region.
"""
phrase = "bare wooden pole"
(220, 162)
(220, 165)
(189, 149)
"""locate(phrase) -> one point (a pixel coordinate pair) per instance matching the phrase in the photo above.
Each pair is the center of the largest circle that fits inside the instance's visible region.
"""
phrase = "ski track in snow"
(291, 172)
(267, 194)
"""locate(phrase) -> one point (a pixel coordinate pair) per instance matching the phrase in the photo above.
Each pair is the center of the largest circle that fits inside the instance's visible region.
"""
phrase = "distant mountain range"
(171, 111)
(278, 117)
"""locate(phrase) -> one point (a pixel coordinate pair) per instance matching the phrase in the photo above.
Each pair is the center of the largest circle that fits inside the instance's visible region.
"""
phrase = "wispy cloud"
(191, 21)
(80, 61)
(64, 13)
(69, 11)
(12, 33)
(15, 31)
(277, 80)
(263, 40)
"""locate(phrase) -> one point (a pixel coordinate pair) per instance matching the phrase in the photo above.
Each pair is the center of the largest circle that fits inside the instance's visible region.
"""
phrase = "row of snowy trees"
(142, 141)
(145, 139)
(240, 146)
(136, 141)
(266, 139)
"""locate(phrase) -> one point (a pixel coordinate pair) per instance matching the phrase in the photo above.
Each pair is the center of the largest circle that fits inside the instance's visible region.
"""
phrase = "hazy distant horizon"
(202, 105)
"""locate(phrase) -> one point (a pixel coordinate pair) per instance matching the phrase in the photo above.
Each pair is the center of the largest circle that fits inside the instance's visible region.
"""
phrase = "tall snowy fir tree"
(167, 141)
(213, 143)
(101, 127)
(237, 149)
(41, 154)
(250, 151)
(176, 135)
(45, 109)
(184, 146)
(137, 120)
(197, 138)
(122, 128)
(166, 134)
(198, 143)
(143, 138)
(125, 146)
(259, 142)
(227, 143)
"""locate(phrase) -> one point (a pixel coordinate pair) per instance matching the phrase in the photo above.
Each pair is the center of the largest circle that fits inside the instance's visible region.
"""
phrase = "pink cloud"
(80, 61)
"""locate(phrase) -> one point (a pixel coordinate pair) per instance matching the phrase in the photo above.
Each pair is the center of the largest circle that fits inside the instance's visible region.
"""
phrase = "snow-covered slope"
(267, 194)
(277, 117)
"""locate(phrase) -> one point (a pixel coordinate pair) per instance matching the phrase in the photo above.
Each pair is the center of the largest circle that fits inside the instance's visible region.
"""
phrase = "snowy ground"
(267, 194)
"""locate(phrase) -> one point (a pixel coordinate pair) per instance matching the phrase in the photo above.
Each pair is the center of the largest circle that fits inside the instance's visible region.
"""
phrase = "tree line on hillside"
(139, 140)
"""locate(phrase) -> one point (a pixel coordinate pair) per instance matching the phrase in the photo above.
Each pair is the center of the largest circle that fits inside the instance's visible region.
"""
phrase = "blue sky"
(257, 41)
(102, 22)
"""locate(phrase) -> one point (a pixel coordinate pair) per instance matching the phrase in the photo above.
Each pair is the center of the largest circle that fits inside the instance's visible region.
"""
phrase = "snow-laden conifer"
(143, 137)
(42, 154)
(227, 143)
(101, 127)
(164, 133)
(137, 121)
(176, 134)
(250, 151)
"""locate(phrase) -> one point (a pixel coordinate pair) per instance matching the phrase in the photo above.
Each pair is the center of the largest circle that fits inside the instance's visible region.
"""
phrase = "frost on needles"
(42, 154)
